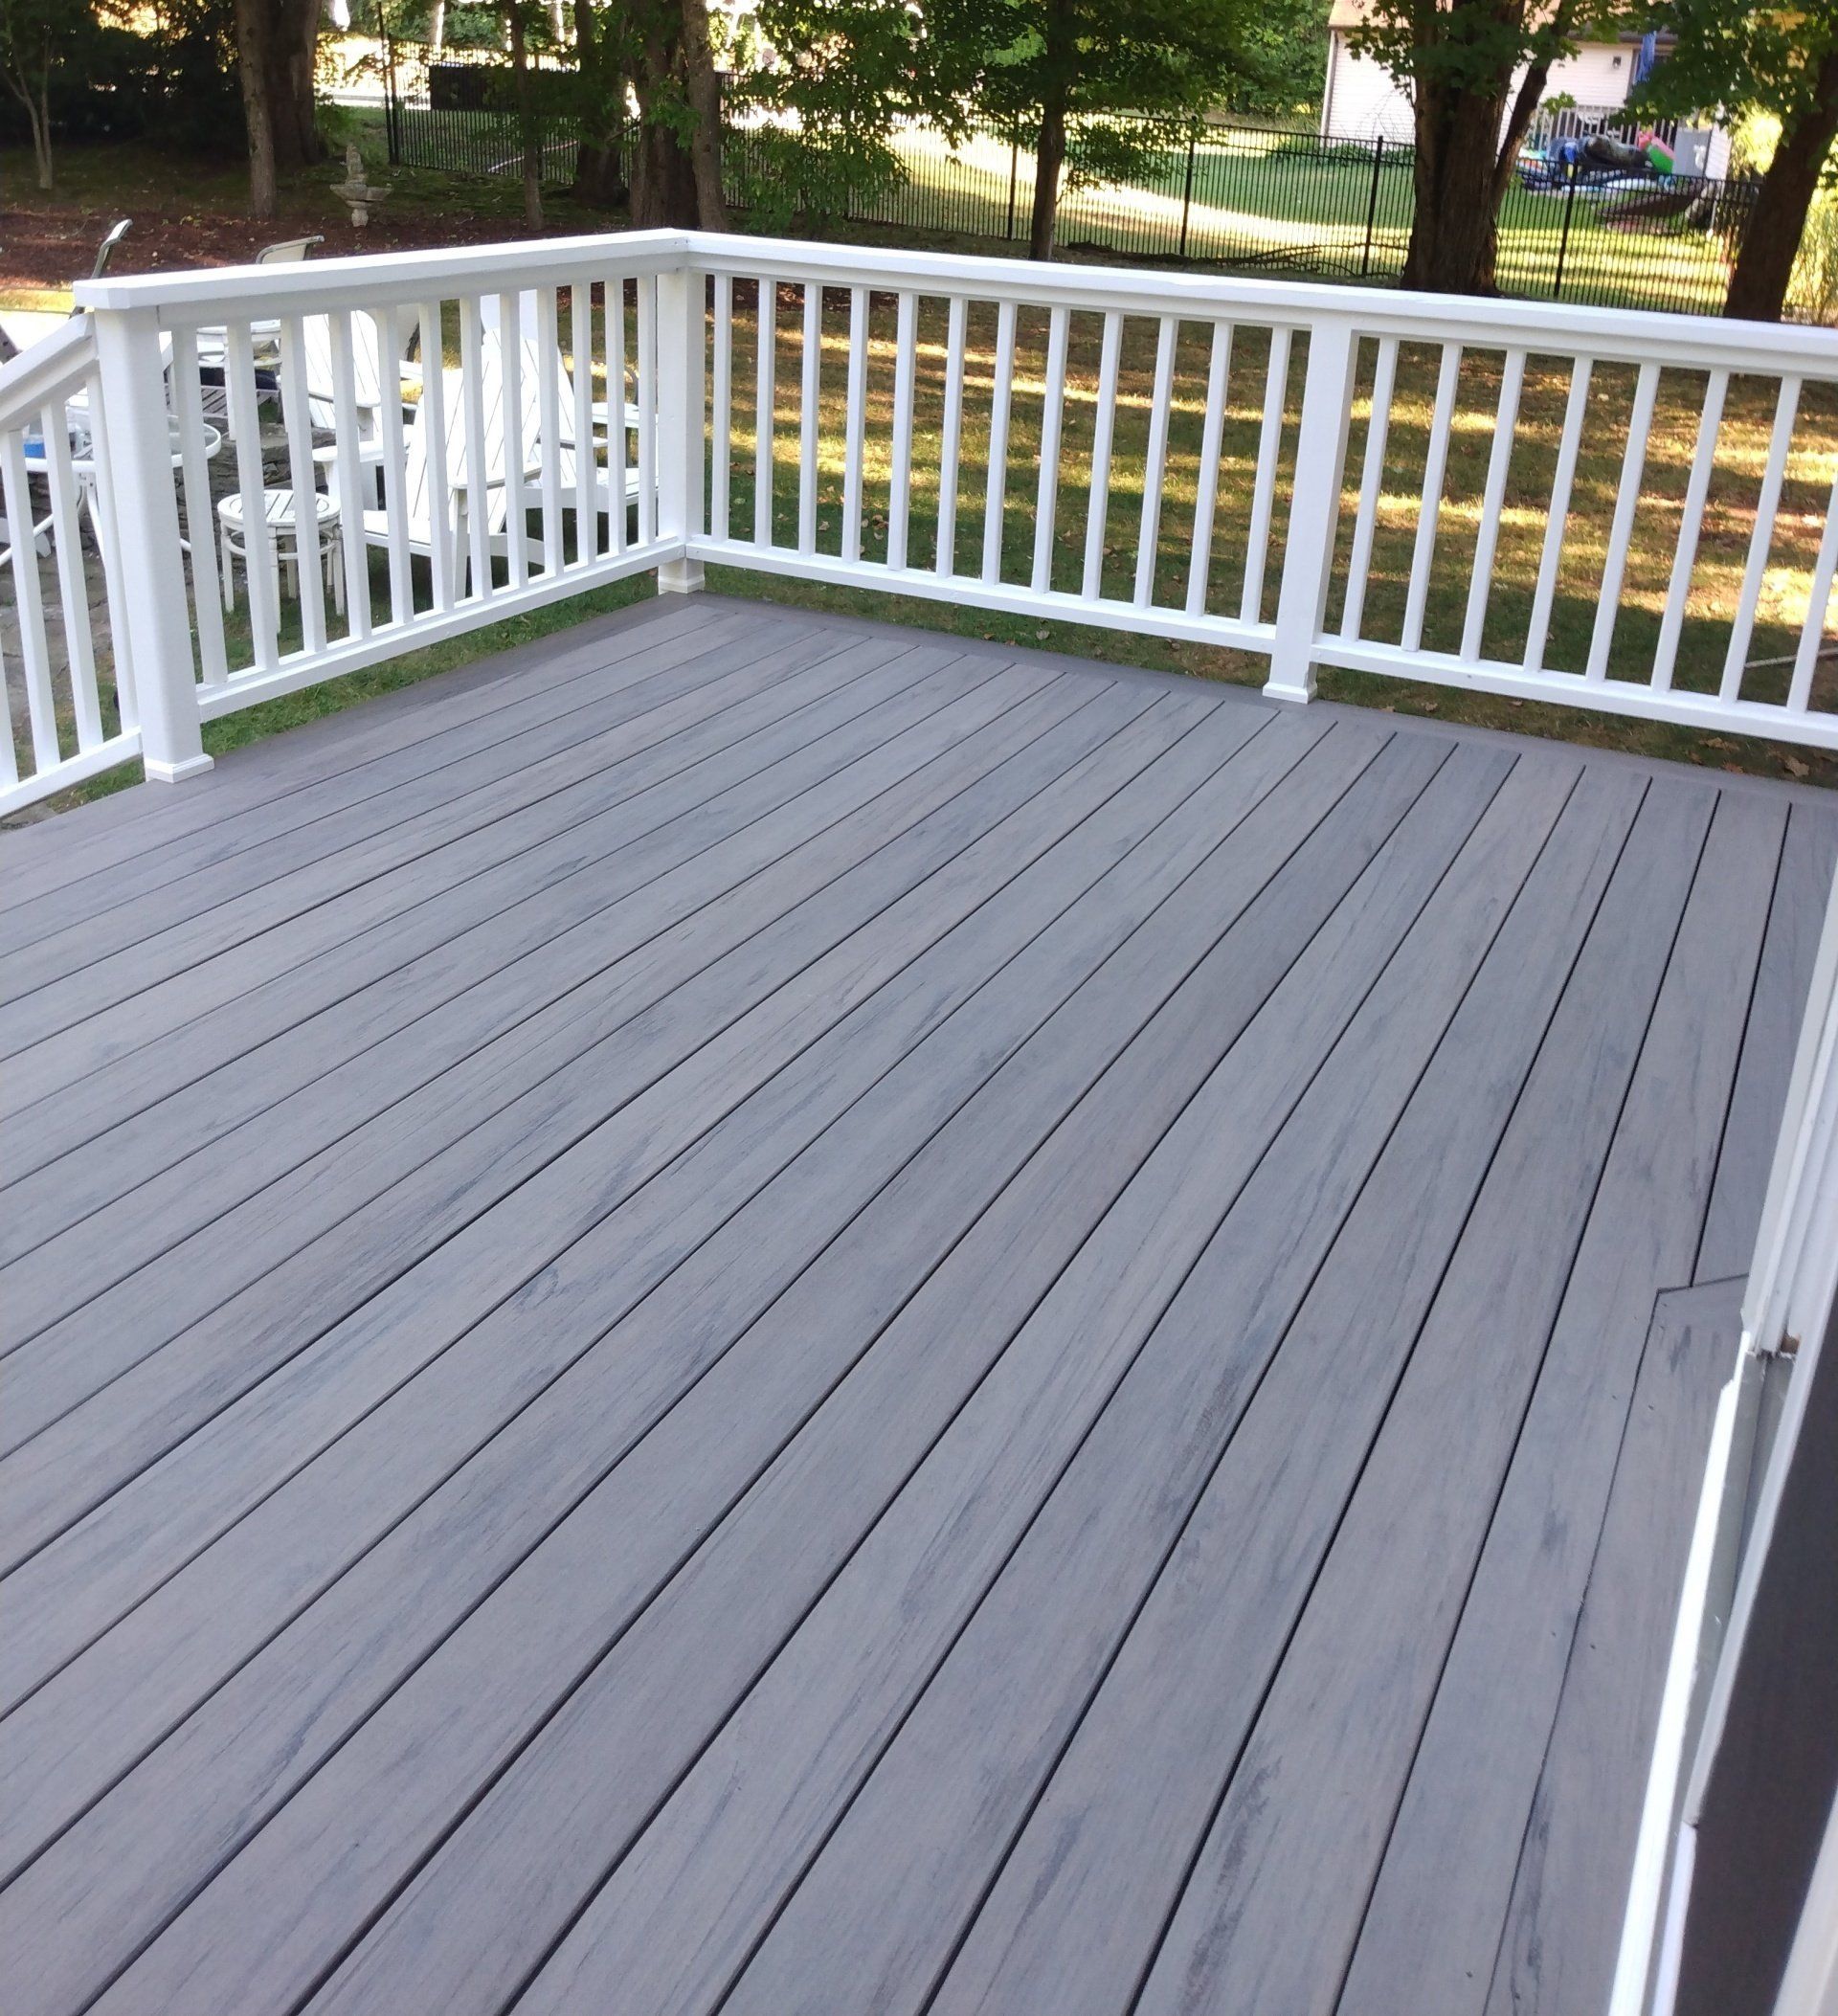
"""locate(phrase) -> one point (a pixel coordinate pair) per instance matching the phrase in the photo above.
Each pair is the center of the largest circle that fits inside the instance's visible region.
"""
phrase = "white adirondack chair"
(453, 530)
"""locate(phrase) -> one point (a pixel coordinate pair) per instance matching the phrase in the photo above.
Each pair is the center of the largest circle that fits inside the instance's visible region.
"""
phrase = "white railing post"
(145, 554)
(682, 391)
(1314, 509)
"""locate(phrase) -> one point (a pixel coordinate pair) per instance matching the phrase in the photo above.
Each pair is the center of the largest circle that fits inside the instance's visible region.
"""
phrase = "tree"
(529, 130)
(840, 74)
(1476, 70)
(1072, 71)
(661, 49)
(599, 171)
(1736, 58)
(37, 38)
(277, 48)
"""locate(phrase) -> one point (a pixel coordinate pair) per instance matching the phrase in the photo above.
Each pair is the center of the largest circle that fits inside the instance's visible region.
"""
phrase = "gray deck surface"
(769, 1314)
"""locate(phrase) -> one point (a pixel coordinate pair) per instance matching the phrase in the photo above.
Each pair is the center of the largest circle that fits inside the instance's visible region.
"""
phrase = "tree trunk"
(1778, 220)
(294, 48)
(703, 88)
(530, 134)
(600, 173)
(438, 27)
(664, 181)
(38, 118)
(664, 177)
(1454, 230)
(253, 67)
(1049, 158)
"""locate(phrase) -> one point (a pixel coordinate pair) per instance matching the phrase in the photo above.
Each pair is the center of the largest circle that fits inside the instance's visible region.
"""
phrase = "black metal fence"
(455, 110)
(1247, 198)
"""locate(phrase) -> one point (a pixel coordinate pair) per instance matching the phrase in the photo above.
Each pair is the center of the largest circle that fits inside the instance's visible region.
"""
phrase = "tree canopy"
(1476, 70)
(1734, 56)
(1051, 69)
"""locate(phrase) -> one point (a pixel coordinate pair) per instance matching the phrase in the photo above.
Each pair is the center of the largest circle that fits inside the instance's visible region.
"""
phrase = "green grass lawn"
(1274, 206)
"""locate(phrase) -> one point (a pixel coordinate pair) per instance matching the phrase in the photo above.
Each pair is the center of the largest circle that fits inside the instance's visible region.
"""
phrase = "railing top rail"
(55, 364)
(1560, 328)
(351, 281)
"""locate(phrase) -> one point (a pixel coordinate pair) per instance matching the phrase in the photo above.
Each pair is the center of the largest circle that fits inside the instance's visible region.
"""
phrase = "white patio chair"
(417, 489)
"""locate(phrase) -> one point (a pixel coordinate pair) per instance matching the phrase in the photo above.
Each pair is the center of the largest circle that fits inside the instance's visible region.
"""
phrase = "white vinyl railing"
(64, 643)
(321, 466)
(1226, 356)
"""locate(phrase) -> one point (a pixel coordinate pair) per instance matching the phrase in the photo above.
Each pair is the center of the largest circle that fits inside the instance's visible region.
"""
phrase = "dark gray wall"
(1771, 1785)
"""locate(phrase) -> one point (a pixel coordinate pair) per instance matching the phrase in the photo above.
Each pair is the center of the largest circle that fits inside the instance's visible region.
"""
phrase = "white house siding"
(1363, 100)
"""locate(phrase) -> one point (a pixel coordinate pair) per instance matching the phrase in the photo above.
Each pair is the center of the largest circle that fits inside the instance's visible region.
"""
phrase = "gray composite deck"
(762, 1314)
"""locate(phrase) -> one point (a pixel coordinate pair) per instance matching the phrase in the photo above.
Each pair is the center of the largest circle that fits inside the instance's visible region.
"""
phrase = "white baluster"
(765, 397)
(1218, 372)
(1098, 497)
(73, 588)
(720, 508)
(1052, 426)
(809, 363)
(309, 582)
(517, 449)
(900, 498)
(950, 447)
(1563, 478)
(1161, 397)
(1372, 477)
(1505, 420)
(200, 514)
(395, 508)
(1691, 525)
(1620, 529)
(1812, 632)
(1429, 509)
(1269, 450)
(35, 649)
(995, 486)
(1761, 541)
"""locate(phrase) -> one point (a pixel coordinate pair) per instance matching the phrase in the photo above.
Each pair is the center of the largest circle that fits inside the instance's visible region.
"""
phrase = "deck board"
(759, 1311)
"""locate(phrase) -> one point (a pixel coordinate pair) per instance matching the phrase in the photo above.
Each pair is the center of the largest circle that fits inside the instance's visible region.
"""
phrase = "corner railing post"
(145, 554)
(682, 341)
(1314, 509)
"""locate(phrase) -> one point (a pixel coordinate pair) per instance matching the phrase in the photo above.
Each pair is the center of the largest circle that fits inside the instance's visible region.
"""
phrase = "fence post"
(1314, 509)
(1372, 204)
(145, 554)
(1014, 169)
(1563, 237)
(1187, 194)
(681, 339)
(392, 145)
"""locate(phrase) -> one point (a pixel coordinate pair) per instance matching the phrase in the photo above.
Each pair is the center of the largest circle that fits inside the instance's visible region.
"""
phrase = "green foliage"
(1284, 48)
(1109, 56)
(818, 88)
(1739, 57)
(118, 74)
